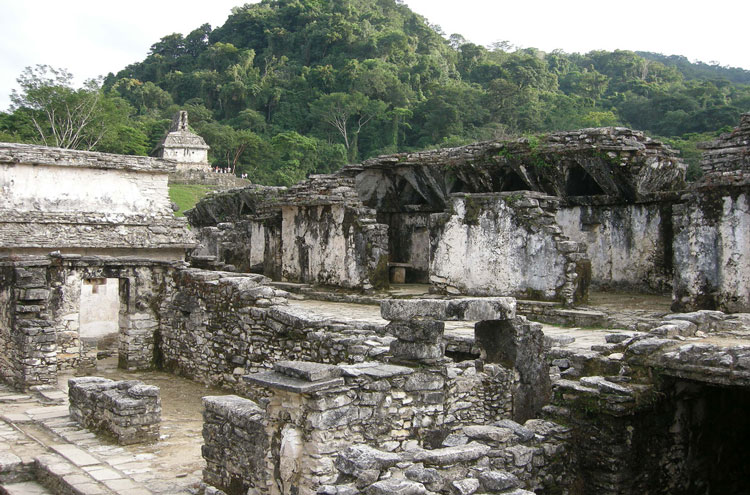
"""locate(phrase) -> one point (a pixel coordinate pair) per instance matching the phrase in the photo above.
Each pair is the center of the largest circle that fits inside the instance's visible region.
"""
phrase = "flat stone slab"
(14, 398)
(272, 379)
(451, 455)
(461, 309)
(26, 488)
(376, 370)
(75, 455)
(306, 370)
(16, 418)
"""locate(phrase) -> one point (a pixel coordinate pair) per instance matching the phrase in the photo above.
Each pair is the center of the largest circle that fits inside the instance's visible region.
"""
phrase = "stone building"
(84, 240)
(186, 148)
(532, 219)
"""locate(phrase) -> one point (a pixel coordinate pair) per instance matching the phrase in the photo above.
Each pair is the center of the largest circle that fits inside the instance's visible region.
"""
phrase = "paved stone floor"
(37, 426)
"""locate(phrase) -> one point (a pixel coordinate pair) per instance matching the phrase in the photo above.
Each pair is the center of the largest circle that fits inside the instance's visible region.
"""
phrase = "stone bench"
(129, 411)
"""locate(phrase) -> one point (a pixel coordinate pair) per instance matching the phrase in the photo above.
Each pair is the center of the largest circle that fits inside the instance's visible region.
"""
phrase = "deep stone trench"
(711, 429)
(693, 442)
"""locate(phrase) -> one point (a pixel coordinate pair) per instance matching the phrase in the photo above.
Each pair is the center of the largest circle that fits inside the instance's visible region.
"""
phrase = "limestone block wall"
(629, 245)
(234, 444)
(315, 413)
(712, 261)
(334, 244)
(506, 244)
(59, 189)
(28, 341)
(129, 411)
(83, 202)
(216, 327)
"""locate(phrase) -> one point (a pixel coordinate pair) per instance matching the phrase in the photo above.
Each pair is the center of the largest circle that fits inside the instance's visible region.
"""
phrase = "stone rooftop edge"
(30, 154)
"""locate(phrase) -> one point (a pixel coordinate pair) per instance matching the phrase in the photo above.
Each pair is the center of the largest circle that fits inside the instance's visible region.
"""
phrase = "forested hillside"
(290, 87)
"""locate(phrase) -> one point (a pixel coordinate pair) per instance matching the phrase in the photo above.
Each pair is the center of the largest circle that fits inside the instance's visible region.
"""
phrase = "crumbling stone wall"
(328, 245)
(235, 443)
(40, 301)
(129, 411)
(629, 245)
(217, 326)
(726, 160)
(506, 244)
(712, 262)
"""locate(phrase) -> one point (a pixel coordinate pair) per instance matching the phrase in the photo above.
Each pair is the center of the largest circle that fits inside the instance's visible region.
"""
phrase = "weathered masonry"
(85, 242)
(529, 218)
(537, 219)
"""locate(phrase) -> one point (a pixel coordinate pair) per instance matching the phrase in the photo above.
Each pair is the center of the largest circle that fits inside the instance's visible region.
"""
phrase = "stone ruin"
(189, 152)
(502, 232)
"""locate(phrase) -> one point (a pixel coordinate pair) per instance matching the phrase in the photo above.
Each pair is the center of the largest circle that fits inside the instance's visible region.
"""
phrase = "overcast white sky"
(95, 37)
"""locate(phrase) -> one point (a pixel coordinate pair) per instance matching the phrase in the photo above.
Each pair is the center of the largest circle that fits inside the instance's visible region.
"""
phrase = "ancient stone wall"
(321, 423)
(78, 201)
(41, 298)
(506, 244)
(129, 411)
(727, 159)
(335, 245)
(216, 327)
(206, 177)
(712, 262)
(235, 443)
(629, 245)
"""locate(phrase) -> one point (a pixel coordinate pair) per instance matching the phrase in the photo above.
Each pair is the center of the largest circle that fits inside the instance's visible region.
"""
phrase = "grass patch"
(186, 195)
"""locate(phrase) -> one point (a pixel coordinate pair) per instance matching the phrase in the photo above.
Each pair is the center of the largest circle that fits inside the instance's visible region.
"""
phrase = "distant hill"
(290, 87)
(699, 70)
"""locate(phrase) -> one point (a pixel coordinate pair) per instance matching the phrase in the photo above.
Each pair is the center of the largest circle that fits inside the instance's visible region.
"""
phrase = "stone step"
(25, 488)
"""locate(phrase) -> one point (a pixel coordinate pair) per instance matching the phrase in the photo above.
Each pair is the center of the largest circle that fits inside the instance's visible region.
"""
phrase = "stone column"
(308, 414)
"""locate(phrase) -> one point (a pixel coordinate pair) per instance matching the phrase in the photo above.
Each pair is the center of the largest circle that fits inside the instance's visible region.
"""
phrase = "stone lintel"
(274, 380)
(461, 309)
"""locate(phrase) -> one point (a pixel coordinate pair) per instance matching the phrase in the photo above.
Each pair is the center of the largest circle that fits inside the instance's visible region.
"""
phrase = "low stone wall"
(234, 444)
(503, 457)
(206, 177)
(218, 326)
(129, 411)
(315, 411)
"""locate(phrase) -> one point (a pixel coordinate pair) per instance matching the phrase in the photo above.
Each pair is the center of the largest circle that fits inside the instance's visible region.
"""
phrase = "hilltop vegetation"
(290, 87)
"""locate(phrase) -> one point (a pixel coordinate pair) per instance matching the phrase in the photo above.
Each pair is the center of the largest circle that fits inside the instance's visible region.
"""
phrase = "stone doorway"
(99, 318)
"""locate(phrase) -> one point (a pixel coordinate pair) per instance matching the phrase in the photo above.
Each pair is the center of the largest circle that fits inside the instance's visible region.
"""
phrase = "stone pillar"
(309, 415)
(417, 341)
(33, 340)
(137, 328)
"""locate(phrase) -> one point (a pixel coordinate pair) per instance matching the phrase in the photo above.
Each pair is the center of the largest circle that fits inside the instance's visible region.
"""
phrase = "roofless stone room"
(323, 248)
